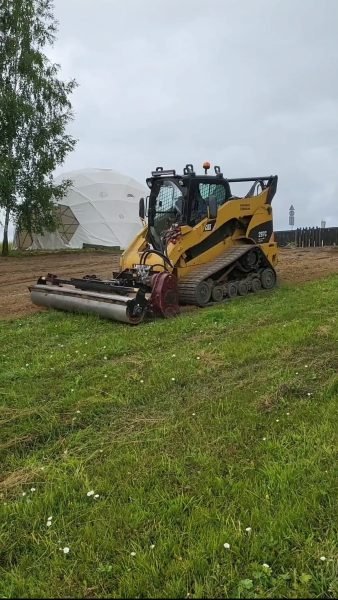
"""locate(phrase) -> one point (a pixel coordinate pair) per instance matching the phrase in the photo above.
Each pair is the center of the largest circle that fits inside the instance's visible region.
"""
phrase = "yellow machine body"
(255, 207)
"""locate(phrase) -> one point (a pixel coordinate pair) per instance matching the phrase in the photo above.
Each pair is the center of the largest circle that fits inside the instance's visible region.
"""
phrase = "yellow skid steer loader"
(199, 245)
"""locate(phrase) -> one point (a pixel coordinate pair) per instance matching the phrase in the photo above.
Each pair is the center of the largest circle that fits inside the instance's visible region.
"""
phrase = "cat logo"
(208, 227)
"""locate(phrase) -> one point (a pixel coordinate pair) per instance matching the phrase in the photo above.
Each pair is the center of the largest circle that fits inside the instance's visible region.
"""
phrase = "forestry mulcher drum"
(198, 245)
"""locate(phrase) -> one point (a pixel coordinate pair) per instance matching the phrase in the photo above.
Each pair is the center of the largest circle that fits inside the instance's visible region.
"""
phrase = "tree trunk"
(5, 238)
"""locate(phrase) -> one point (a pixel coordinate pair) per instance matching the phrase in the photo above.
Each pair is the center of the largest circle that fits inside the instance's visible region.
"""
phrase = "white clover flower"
(49, 523)
(27, 364)
(152, 546)
(288, 414)
(248, 529)
(106, 376)
(24, 493)
(194, 414)
(66, 550)
(90, 493)
(309, 394)
(173, 379)
(198, 358)
(306, 366)
(277, 420)
(78, 412)
(141, 381)
(96, 496)
(133, 554)
(226, 546)
(72, 390)
(265, 566)
(33, 489)
(264, 439)
(49, 518)
(105, 358)
(323, 558)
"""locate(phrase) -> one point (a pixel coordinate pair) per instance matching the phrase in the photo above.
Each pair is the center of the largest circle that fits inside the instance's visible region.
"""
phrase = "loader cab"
(182, 199)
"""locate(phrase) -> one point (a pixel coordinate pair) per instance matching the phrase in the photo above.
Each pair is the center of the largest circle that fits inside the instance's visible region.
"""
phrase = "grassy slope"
(182, 465)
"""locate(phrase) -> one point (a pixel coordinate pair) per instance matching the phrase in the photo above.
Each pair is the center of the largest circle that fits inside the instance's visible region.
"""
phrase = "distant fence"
(308, 237)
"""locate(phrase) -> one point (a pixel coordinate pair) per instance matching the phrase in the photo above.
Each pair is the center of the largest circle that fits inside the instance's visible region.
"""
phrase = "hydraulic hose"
(158, 253)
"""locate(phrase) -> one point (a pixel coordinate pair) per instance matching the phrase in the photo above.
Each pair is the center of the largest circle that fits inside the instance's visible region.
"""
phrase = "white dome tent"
(99, 209)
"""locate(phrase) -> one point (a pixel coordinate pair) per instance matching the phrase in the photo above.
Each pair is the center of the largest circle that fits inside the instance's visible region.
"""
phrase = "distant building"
(100, 208)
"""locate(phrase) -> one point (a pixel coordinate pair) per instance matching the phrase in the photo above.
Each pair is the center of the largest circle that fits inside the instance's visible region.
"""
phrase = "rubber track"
(187, 285)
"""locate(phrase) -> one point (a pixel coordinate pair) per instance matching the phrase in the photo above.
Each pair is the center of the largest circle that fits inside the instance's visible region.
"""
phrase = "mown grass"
(191, 431)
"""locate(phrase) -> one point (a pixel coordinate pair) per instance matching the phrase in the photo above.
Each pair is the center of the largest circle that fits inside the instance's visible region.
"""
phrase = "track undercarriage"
(132, 296)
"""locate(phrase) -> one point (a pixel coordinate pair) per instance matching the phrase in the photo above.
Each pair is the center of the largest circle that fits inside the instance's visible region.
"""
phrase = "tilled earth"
(18, 272)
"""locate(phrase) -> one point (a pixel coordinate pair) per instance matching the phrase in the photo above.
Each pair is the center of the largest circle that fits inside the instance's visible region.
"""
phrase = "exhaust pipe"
(109, 306)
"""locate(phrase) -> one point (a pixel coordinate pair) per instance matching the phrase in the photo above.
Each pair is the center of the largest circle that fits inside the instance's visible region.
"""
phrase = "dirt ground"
(17, 273)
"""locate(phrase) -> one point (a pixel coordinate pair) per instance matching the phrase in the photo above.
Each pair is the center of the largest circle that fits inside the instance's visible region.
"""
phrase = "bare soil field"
(18, 272)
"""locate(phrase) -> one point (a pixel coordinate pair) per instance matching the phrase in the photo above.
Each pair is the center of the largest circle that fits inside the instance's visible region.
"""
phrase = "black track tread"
(187, 285)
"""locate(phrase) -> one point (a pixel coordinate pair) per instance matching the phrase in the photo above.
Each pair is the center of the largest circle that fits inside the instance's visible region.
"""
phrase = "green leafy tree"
(34, 112)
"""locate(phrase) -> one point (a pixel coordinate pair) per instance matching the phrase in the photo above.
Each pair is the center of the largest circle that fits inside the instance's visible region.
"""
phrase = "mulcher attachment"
(109, 299)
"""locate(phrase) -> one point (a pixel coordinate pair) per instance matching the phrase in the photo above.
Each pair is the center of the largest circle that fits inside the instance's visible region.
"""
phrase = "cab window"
(200, 195)
(212, 189)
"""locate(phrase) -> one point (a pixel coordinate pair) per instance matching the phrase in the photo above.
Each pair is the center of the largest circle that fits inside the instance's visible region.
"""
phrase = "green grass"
(184, 452)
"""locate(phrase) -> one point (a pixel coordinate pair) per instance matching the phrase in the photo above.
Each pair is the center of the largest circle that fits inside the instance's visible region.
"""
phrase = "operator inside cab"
(183, 201)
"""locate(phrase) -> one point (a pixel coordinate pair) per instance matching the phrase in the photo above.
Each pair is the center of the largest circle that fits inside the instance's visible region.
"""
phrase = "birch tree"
(35, 110)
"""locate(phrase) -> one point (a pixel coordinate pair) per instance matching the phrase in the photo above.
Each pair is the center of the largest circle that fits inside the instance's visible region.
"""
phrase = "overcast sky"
(250, 85)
